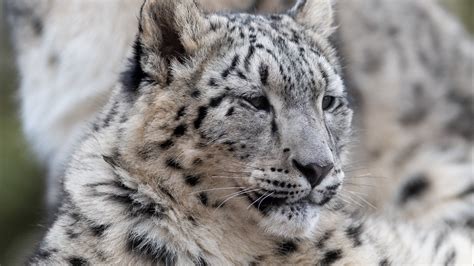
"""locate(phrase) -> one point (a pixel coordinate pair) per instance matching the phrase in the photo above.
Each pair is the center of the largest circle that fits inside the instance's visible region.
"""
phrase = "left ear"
(316, 15)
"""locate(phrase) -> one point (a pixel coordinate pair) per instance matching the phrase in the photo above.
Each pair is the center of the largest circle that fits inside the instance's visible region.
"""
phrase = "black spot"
(202, 113)
(192, 180)
(201, 262)
(286, 150)
(195, 94)
(414, 188)
(216, 101)
(467, 192)
(98, 230)
(111, 160)
(354, 233)
(212, 82)
(384, 262)
(166, 144)
(415, 113)
(393, 30)
(122, 199)
(179, 131)
(331, 256)
(43, 254)
(257, 261)
(241, 75)
(322, 241)
(135, 208)
(193, 220)
(197, 161)
(173, 164)
(263, 71)
(40, 256)
(274, 126)
(110, 115)
(230, 111)
(167, 193)
(450, 258)
(146, 209)
(148, 248)
(71, 234)
(181, 112)
(133, 76)
(149, 150)
(77, 261)
(203, 198)
(461, 124)
(37, 25)
(440, 240)
(286, 248)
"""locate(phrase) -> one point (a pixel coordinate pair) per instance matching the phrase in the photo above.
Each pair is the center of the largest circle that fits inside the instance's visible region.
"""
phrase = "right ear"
(316, 15)
(169, 30)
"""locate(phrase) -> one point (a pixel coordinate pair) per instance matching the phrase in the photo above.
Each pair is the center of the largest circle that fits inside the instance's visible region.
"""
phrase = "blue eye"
(328, 102)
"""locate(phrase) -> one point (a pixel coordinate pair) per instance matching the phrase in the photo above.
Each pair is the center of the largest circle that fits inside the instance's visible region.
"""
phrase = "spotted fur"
(209, 155)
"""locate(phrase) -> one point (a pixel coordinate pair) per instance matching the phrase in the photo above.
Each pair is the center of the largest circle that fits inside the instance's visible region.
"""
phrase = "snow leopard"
(393, 74)
(224, 143)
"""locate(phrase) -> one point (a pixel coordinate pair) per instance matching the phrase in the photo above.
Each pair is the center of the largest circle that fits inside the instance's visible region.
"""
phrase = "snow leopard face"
(249, 110)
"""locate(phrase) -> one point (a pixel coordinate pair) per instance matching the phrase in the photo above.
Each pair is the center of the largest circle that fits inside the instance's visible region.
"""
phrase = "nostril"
(306, 170)
(313, 172)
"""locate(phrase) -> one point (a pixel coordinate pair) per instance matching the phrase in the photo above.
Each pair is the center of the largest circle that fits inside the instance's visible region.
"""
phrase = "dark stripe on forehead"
(250, 53)
(235, 62)
(263, 71)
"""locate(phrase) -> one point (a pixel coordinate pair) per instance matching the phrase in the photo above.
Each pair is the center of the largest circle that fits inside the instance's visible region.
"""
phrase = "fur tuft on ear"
(169, 30)
(316, 15)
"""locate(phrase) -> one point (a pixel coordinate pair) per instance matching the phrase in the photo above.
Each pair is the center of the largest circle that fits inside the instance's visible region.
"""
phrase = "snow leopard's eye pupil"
(260, 103)
(328, 101)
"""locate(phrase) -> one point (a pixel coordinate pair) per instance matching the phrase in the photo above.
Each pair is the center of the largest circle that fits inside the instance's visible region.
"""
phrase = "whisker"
(243, 192)
(258, 207)
(214, 189)
(362, 199)
(226, 177)
(360, 184)
(248, 207)
(350, 200)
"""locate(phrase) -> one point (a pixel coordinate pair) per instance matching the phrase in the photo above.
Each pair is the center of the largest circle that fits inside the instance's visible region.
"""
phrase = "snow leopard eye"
(260, 103)
(328, 102)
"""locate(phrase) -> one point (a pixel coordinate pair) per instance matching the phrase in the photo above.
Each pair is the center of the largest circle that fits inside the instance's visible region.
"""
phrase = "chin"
(291, 221)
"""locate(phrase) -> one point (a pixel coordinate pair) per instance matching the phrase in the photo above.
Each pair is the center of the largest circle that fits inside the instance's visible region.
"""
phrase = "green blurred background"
(21, 177)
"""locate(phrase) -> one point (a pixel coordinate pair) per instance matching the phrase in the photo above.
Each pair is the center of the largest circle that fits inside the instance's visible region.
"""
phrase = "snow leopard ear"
(169, 31)
(316, 15)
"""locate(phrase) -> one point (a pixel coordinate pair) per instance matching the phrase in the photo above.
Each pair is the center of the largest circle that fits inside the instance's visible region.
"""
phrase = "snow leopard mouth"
(267, 203)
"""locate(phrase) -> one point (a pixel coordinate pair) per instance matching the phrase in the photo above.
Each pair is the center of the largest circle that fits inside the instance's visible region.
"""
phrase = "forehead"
(275, 54)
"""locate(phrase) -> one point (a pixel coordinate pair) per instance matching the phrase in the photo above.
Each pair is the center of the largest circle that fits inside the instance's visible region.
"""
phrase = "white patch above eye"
(336, 85)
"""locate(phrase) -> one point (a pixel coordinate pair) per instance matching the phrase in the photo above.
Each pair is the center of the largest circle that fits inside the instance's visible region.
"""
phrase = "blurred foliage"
(21, 180)
(465, 10)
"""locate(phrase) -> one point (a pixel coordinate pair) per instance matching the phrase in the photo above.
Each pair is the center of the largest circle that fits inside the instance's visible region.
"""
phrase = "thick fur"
(142, 185)
(195, 159)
